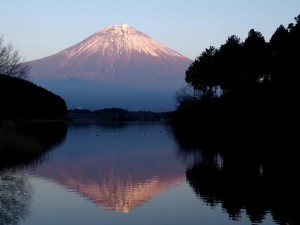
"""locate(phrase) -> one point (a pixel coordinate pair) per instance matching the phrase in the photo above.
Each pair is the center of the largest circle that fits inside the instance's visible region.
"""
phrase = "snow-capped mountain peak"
(120, 38)
(118, 56)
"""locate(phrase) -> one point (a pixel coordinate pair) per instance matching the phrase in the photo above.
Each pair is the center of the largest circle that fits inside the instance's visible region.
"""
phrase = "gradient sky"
(40, 28)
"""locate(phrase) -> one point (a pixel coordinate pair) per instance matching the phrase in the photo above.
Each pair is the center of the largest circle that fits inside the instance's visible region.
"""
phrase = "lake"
(140, 173)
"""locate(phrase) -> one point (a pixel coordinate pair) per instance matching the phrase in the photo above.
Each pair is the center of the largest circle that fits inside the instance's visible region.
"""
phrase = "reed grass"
(14, 144)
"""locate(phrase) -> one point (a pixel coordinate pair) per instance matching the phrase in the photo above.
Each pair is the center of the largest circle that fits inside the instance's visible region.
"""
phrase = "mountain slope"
(116, 55)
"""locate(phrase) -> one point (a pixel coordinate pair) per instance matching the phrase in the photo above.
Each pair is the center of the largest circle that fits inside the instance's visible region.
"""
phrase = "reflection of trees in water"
(15, 197)
(22, 144)
(50, 133)
(108, 126)
(244, 172)
(27, 143)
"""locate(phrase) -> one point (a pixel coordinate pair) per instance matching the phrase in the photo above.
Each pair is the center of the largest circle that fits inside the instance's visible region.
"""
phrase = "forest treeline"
(21, 99)
(116, 115)
(244, 82)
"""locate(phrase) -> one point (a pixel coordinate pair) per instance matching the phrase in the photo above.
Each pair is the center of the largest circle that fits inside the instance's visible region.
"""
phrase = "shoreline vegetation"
(27, 142)
(243, 88)
(17, 148)
(116, 115)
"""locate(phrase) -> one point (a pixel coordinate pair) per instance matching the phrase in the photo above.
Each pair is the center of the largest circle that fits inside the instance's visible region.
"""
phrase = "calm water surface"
(117, 174)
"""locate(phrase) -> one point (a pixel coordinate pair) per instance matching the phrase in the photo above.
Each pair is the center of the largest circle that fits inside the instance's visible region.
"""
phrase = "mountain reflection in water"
(206, 178)
(116, 167)
(121, 195)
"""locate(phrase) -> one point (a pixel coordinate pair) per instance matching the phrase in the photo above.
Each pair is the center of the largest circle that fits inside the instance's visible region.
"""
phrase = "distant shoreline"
(102, 115)
(116, 115)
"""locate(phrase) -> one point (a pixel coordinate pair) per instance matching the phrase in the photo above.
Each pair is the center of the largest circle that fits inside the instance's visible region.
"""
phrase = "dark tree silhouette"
(286, 47)
(233, 67)
(229, 64)
(257, 59)
(250, 79)
(11, 64)
(202, 74)
(285, 68)
(280, 45)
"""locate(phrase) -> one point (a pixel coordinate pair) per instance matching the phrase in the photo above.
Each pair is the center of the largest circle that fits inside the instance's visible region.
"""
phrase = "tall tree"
(285, 45)
(201, 74)
(229, 64)
(293, 53)
(280, 46)
(11, 64)
(257, 59)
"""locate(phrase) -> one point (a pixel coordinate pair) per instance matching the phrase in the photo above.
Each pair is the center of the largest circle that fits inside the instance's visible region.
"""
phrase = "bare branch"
(11, 64)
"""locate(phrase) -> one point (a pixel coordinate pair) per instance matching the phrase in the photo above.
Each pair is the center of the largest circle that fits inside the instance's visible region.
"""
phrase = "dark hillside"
(21, 99)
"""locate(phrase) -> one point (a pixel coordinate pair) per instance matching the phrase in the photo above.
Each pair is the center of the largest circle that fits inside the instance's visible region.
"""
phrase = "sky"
(37, 29)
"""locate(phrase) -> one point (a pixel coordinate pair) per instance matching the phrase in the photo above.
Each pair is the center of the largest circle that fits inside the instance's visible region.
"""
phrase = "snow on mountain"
(121, 39)
(120, 57)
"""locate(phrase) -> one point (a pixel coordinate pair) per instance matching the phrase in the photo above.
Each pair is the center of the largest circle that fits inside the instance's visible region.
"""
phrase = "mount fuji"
(118, 66)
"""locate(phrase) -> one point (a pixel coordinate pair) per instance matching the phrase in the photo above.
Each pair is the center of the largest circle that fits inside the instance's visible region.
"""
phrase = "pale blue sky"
(39, 28)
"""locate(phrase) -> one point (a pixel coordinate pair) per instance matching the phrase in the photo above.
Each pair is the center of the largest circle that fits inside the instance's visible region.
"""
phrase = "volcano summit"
(117, 66)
